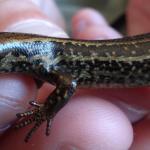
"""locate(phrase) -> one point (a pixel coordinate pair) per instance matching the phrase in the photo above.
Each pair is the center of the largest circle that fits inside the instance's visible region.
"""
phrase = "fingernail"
(37, 26)
(133, 113)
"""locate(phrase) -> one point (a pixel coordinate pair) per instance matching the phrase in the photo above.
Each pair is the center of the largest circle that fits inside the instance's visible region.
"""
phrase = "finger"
(16, 91)
(84, 123)
(92, 122)
(89, 24)
(138, 17)
(24, 18)
(49, 8)
(142, 135)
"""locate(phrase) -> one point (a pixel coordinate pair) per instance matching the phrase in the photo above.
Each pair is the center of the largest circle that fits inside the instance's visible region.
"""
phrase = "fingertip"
(37, 26)
(87, 17)
(16, 91)
(90, 24)
(90, 124)
(28, 18)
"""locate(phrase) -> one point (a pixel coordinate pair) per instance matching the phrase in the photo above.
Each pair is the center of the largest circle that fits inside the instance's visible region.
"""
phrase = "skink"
(69, 64)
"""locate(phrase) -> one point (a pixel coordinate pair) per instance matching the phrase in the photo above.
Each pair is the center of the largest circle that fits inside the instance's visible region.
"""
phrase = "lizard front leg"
(45, 112)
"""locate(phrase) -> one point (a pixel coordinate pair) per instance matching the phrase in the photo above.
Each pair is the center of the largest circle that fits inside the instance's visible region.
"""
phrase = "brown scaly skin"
(69, 63)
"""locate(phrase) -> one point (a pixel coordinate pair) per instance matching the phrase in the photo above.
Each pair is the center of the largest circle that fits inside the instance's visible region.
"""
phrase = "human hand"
(138, 21)
(88, 121)
(138, 17)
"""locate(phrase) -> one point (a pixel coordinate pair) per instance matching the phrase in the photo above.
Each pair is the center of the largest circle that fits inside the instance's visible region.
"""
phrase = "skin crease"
(88, 121)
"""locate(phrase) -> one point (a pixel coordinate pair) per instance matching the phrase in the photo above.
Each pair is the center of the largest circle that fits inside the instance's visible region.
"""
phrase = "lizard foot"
(38, 115)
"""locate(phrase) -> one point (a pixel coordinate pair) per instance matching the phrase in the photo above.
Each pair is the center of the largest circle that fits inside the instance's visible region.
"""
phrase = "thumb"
(17, 90)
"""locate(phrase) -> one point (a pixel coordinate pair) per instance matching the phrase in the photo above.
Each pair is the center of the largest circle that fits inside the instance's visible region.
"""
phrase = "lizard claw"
(35, 104)
(37, 115)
